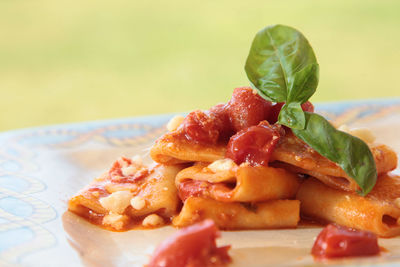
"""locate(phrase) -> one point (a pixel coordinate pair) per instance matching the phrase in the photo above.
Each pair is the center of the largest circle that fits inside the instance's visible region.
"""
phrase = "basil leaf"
(305, 84)
(290, 111)
(282, 65)
(349, 152)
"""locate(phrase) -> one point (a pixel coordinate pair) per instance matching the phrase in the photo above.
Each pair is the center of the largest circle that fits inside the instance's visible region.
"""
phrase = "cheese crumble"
(174, 123)
(117, 202)
(138, 203)
(128, 171)
(221, 165)
(116, 221)
(153, 220)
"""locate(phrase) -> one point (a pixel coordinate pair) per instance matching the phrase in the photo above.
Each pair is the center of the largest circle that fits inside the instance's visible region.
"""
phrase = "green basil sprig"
(283, 67)
(349, 152)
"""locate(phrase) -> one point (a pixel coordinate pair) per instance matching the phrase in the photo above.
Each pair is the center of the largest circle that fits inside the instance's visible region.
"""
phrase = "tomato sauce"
(243, 123)
(193, 188)
(201, 126)
(337, 241)
(117, 175)
(246, 108)
(196, 188)
(223, 121)
(193, 246)
(254, 144)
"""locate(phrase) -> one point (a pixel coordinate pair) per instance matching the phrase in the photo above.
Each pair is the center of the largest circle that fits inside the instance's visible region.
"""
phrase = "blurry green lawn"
(66, 61)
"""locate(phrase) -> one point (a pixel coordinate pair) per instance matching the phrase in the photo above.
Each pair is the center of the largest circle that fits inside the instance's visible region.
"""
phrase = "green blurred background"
(68, 61)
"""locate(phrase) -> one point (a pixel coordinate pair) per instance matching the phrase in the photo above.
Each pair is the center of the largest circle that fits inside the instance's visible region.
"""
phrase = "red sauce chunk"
(201, 126)
(337, 241)
(193, 188)
(197, 188)
(307, 106)
(254, 144)
(116, 172)
(193, 246)
(222, 121)
(246, 108)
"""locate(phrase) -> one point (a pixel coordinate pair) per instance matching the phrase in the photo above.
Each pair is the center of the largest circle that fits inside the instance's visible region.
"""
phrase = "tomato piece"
(276, 108)
(208, 126)
(193, 188)
(273, 115)
(198, 188)
(222, 121)
(193, 246)
(254, 144)
(116, 174)
(247, 108)
(337, 241)
(307, 106)
(200, 126)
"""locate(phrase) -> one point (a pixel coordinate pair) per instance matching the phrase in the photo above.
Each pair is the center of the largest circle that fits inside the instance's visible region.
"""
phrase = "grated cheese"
(138, 203)
(153, 220)
(174, 123)
(221, 165)
(117, 201)
(116, 221)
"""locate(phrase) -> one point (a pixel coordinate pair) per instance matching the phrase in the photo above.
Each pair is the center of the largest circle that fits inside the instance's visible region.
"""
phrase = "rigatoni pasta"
(225, 181)
(290, 153)
(124, 196)
(171, 148)
(299, 157)
(241, 171)
(378, 212)
(235, 216)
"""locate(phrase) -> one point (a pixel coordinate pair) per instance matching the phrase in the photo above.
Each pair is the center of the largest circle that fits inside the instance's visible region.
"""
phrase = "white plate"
(41, 168)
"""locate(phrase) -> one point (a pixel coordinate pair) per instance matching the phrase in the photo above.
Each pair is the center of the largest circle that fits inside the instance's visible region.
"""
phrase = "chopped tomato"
(194, 188)
(116, 172)
(307, 106)
(254, 144)
(222, 121)
(193, 246)
(201, 126)
(198, 188)
(276, 108)
(273, 115)
(247, 108)
(337, 241)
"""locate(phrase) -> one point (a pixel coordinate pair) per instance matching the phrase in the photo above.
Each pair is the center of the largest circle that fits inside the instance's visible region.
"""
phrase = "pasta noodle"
(237, 183)
(171, 148)
(231, 165)
(377, 212)
(300, 158)
(233, 216)
(294, 153)
(127, 193)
